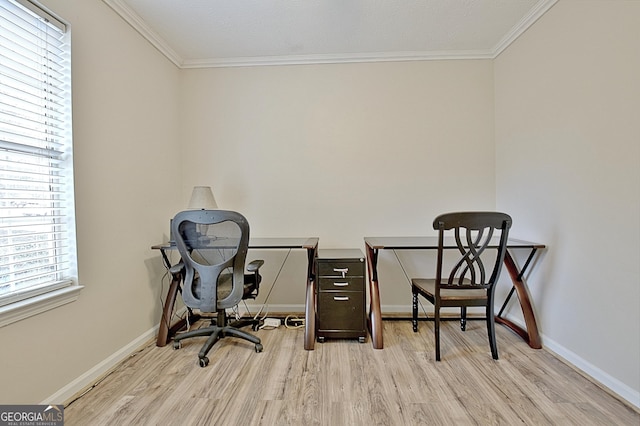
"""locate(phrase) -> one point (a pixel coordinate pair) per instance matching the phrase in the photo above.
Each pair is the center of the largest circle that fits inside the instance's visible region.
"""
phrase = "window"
(37, 223)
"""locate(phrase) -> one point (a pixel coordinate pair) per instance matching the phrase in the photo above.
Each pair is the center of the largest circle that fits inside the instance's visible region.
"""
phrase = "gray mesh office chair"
(213, 245)
(469, 282)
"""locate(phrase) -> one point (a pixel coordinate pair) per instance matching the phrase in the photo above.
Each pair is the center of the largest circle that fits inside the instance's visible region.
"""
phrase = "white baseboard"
(624, 391)
(87, 379)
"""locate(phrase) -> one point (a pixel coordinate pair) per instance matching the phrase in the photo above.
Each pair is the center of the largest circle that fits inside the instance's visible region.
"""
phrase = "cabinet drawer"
(340, 284)
(337, 268)
(341, 311)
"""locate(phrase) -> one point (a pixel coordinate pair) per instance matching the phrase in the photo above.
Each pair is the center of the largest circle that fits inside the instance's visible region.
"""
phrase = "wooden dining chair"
(470, 282)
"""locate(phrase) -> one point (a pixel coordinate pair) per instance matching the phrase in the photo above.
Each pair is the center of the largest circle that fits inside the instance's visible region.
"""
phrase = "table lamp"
(202, 199)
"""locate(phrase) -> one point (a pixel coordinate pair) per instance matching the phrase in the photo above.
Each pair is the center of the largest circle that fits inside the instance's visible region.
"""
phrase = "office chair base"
(214, 334)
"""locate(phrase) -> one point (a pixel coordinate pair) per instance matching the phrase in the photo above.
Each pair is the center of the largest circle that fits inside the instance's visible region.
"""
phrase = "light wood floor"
(343, 382)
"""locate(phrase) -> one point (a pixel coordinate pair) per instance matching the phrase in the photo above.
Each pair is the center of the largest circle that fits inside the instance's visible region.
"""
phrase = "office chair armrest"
(255, 265)
(177, 268)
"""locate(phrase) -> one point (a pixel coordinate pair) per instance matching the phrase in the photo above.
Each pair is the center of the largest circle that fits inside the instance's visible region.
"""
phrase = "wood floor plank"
(344, 382)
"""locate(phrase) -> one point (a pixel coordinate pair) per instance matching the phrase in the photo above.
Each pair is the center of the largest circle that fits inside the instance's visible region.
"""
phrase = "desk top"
(421, 243)
(283, 242)
(265, 243)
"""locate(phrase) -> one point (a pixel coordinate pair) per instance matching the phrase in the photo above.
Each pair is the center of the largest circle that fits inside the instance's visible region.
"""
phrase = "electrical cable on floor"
(292, 321)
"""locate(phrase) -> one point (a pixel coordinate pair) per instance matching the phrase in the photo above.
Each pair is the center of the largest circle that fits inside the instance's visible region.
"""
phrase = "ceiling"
(215, 33)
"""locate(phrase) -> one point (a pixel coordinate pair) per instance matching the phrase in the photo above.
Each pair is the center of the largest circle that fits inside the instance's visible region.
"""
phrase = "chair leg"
(463, 318)
(241, 334)
(414, 311)
(206, 331)
(436, 323)
(491, 330)
(215, 336)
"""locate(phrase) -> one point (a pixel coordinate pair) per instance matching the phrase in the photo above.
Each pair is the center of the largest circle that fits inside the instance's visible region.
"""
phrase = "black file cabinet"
(340, 294)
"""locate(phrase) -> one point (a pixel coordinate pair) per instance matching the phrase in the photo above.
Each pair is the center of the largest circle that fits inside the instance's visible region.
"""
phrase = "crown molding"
(528, 20)
(336, 59)
(133, 19)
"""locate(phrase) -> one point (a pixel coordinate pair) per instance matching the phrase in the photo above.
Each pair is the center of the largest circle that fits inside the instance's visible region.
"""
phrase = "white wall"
(125, 147)
(568, 167)
(342, 151)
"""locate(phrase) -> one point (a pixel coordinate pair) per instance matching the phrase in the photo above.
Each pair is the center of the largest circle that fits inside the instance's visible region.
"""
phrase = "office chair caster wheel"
(321, 339)
(255, 327)
(259, 347)
(177, 345)
(204, 361)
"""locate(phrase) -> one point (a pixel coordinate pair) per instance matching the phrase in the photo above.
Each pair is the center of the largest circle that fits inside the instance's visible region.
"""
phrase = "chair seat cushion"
(428, 286)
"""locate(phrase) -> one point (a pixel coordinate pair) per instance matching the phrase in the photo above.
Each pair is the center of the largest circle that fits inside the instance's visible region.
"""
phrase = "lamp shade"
(202, 199)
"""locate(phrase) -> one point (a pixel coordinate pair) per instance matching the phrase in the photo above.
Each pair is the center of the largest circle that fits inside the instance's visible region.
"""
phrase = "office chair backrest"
(473, 233)
(213, 245)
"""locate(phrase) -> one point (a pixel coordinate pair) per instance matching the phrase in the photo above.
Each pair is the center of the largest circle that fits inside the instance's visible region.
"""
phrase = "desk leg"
(531, 334)
(164, 332)
(375, 313)
(310, 302)
(310, 316)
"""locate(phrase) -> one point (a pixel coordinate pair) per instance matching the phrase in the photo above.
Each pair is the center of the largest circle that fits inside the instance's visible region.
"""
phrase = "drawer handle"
(340, 284)
(341, 298)
(343, 271)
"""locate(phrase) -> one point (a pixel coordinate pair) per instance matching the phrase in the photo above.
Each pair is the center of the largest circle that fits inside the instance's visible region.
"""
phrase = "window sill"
(35, 305)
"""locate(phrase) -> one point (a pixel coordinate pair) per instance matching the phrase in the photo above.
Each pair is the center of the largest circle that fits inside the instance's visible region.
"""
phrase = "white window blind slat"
(26, 90)
(28, 136)
(31, 155)
(37, 221)
(29, 192)
(25, 44)
(18, 67)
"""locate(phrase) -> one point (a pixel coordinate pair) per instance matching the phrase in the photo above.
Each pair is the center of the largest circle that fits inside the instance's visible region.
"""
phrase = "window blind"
(37, 223)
